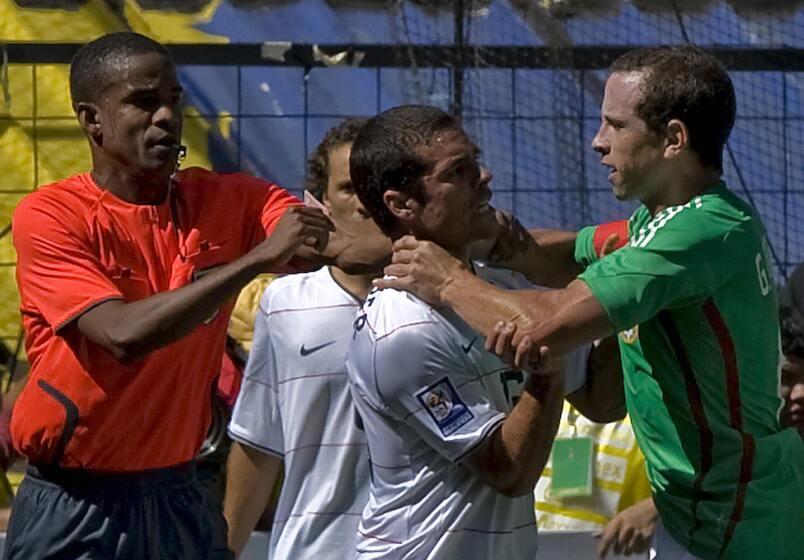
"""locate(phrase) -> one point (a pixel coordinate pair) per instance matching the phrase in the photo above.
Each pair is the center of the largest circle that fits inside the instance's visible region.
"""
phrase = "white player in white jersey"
(454, 458)
(294, 409)
(428, 393)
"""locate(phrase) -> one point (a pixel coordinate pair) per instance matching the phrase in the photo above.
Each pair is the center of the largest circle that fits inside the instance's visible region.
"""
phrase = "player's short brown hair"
(384, 156)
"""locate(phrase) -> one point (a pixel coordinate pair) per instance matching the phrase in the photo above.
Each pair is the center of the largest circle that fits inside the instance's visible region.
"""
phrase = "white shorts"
(664, 547)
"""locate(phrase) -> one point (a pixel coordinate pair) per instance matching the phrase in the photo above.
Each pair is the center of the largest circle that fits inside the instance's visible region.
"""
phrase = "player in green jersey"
(692, 299)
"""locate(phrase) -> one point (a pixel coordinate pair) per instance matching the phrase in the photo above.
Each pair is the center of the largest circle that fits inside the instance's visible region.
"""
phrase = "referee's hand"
(299, 226)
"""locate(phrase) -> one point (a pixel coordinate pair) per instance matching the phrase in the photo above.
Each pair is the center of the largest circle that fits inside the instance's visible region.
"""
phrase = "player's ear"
(677, 137)
(400, 204)
(90, 119)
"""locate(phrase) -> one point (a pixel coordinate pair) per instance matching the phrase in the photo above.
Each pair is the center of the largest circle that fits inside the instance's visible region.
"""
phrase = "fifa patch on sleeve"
(445, 407)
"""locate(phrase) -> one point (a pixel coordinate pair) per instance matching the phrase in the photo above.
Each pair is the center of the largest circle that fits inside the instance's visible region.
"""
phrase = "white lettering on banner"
(662, 218)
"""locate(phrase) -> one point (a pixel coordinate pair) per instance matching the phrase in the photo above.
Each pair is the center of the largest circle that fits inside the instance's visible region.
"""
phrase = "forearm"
(559, 319)
(130, 330)
(250, 480)
(353, 256)
(479, 303)
(532, 448)
(551, 261)
(356, 247)
(514, 456)
(602, 396)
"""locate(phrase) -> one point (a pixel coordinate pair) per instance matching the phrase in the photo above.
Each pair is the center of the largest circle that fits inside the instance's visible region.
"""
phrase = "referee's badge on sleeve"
(445, 407)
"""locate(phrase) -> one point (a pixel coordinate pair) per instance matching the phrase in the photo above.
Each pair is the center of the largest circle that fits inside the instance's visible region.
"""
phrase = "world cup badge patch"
(445, 407)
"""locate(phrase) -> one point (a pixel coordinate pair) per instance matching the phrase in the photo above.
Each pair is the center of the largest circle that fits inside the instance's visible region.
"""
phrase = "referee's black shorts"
(153, 515)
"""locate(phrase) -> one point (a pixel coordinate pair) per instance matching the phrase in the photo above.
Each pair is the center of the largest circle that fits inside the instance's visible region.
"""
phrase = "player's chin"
(156, 159)
(621, 191)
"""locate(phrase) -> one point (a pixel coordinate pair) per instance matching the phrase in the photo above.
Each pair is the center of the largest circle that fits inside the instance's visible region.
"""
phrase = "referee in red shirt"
(126, 275)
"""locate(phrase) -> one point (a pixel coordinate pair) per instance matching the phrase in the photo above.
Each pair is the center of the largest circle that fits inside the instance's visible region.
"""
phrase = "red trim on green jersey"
(727, 348)
(695, 400)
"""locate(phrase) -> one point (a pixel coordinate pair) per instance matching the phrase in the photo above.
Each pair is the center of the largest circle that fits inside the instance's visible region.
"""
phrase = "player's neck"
(682, 188)
(358, 285)
(136, 189)
(462, 254)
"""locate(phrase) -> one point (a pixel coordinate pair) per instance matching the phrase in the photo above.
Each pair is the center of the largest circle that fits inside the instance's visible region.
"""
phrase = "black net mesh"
(535, 125)
(533, 115)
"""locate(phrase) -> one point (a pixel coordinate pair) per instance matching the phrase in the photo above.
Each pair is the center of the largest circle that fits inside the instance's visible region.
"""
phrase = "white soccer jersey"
(427, 394)
(295, 403)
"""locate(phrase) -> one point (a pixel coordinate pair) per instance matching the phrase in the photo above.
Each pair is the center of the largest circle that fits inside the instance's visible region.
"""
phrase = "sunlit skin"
(627, 147)
(793, 393)
(341, 200)
(340, 197)
(659, 169)
(455, 211)
(135, 128)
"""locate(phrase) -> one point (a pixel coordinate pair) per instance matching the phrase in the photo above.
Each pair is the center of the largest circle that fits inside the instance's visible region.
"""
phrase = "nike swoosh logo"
(468, 346)
(307, 351)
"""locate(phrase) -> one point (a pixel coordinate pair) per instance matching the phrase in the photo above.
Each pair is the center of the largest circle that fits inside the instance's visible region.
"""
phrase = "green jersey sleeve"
(674, 259)
(584, 246)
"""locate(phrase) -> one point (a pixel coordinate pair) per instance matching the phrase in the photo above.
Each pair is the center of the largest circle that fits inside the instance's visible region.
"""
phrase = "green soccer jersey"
(695, 306)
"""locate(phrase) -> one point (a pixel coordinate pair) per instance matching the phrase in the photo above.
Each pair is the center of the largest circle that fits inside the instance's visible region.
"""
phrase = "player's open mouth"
(166, 143)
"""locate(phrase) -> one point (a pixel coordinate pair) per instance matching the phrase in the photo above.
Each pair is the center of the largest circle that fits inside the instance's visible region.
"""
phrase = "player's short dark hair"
(318, 161)
(688, 84)
(91, 67)
(384, 156)
(792, 332)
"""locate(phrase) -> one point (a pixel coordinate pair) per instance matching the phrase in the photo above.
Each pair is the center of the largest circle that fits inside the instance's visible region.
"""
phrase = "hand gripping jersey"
(427, 394)
(295, 404)
(694, 301)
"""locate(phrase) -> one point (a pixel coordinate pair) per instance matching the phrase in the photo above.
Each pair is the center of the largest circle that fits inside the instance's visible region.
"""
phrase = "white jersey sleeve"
(256, 420)
(422, 376)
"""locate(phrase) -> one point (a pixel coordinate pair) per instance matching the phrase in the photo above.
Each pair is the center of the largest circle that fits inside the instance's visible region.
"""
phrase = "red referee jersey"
(77, 246)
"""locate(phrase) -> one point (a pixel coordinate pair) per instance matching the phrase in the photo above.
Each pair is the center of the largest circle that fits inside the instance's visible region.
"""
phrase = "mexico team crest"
(629, 336)
(445, 407)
